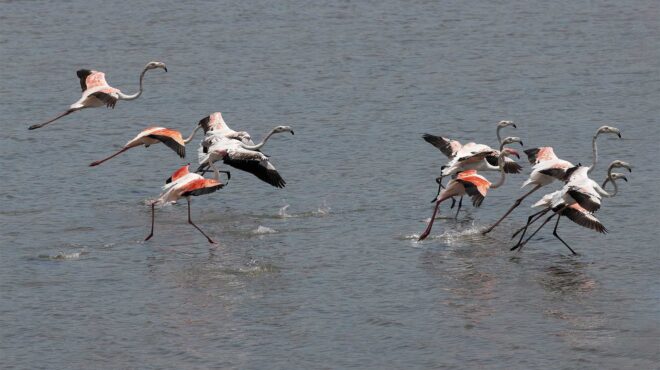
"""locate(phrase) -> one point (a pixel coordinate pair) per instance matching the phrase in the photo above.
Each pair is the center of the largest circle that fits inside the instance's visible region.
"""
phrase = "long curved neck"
(137, 94)
(499, 138)
(261, 144)
(192, 134)
(594, 147)
(500, 163)
(611, 179)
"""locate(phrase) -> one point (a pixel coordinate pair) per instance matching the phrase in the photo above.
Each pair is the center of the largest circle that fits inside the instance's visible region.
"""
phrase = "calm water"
(336, 281)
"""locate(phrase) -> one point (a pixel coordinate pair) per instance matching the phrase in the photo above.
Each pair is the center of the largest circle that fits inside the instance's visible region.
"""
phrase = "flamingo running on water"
(471, 183)
(577, 200)
(184, 184)
(97, 93)
(154, 135)
(547, 168)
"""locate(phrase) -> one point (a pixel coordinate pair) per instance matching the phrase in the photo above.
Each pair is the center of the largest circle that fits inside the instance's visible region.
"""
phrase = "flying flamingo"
(154, 135)
(547, 168)
(577, 200)
(471, 183)
(182, 184)
(97, 93)
(232, 153)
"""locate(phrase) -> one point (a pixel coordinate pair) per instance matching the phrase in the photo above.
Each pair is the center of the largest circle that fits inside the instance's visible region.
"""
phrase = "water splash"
(282, 212)
(323, 209)
(262, 230)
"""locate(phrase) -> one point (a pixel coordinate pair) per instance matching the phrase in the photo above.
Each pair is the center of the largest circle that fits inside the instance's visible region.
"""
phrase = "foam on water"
(262, 230)
(282, 212)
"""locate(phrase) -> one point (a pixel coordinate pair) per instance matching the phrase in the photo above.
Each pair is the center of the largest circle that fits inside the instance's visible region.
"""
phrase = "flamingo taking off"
(238, 150)
(96, 92)
(577, 200)
(232, 153)
(471, 183)
(154, 135)
(182, 184)
(547, 168)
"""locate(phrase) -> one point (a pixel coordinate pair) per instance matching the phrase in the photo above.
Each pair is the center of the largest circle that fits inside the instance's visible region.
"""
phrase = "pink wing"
(96, 79)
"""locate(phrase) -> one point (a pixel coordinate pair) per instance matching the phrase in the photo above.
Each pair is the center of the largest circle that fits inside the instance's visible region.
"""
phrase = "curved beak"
(514, 125)
(521, 143)
(619, 135)
(624, 178)
(517, 155)
(292, 132)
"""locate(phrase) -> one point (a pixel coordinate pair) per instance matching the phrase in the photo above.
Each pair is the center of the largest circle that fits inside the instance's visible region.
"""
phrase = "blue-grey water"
(334, 280)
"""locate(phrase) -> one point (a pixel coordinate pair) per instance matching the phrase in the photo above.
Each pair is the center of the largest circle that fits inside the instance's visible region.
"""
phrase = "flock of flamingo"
(233, 148)
(578, 199)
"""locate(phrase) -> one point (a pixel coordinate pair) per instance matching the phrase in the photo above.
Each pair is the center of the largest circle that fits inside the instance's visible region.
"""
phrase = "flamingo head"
(280, 129)
(154, 65)
(511, 139)
(608, 130)
(621, 164)
(505, 123)
(617, 176)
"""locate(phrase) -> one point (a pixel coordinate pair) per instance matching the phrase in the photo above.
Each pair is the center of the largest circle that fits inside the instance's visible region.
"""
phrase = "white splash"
(323, 209)
(262, 230)
(282, 213)
(66, 256)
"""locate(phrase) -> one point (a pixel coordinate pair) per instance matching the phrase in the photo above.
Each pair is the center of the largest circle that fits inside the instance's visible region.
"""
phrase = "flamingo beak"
(619, 134)
(514, 125)
(517, 155)
(624, 178)
(521, 143)
(292, 132)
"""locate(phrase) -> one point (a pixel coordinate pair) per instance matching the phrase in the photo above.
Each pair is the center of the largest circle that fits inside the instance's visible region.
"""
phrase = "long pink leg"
(192, 223)
(34, 127)
(152, 222)
(96, 163)
(516, 204)
(430, 224)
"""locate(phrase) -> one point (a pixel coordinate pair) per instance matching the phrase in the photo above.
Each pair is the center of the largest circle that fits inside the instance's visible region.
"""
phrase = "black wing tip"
(531, 154)
(512, 167)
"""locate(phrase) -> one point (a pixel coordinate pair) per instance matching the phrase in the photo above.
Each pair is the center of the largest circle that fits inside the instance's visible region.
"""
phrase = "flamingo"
(577, 200)
(468, 158)
(243, 153)
(471, 183)
(232, 153)
(97, 93)
(154, 135)
(182, 184)
(471, 155)
(547, 168)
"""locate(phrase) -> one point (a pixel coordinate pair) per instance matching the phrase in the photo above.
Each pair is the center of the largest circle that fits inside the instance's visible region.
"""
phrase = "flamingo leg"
(516, 204)
(460, 204)
(96, 163)
(427, 231)
(519, 245)
(440, 187)
(153, 205)
(196, 227)
(67, 112)
(560, 239)
(530, 220)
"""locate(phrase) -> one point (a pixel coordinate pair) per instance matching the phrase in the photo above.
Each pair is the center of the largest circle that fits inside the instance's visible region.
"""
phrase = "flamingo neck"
(594, 148)
(611, 179)
(137, 94)
(499, 138)
(261, 144)
(192, 134)
(500, 163)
